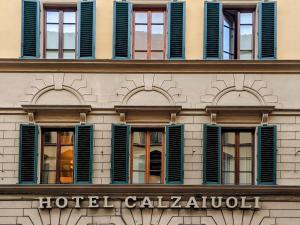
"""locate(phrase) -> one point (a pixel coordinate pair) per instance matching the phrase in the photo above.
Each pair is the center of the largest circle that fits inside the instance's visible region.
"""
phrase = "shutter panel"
(176, 33)
(30, 29)
(175, 154)
(212, 30)
(212, 154)
(267, 150)
(83, 153)
(120, 153)
(86, 29)
(267, 30)
(122, 30)
(28, 150)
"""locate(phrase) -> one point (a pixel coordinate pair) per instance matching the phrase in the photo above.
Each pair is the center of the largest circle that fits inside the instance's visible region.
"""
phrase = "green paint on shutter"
(176, 30)
(174, 154)
(86, 29)
(122, 30)
(120, 153)
(83, 154)
(267, 154)
(30, 46)
(28, 154)
(212, 154)
(267, 38)
(212, 30)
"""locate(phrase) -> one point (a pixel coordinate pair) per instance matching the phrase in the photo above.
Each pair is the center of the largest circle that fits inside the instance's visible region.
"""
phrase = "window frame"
(60, 9)
(239, 10)
(147, 160)
(237, 132)
(58, 155)
(149, 10)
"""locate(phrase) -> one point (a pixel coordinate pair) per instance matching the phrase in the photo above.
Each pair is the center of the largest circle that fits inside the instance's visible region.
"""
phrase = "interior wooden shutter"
(28, 154)
(212, 154)
(120, 153)
(30, 29)
(83, 153)
(267, 39)
(176, 33)
(175, 154)
(122, 30)
(86, 29)
(267, 153)
(213, 30)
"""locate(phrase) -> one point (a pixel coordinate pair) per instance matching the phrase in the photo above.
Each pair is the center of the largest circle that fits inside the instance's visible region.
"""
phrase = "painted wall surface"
(288, 27)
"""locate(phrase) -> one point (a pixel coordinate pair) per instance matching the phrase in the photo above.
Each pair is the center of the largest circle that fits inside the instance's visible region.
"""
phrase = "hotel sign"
(174, 202)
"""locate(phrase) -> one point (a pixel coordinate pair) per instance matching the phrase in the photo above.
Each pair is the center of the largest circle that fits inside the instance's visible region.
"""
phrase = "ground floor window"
(57, 156)
(147, 156)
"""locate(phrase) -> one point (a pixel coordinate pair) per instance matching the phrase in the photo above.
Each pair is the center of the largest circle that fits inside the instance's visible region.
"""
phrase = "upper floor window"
(149, 28)
(238, 30)
(60, 33)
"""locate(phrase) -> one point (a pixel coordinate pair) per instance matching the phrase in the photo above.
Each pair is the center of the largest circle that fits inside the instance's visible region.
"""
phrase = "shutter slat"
(213, 30)
(30, 29)
(120, 153)
(28, 153)
(87, 29)
(211, 153)
(84, 153)
(267, 154)
(176, 30)
(175, 148)
(122, 30)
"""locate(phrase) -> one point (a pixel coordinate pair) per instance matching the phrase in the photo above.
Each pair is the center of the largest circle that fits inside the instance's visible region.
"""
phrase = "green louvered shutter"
(175, 154)
(267, 152)
(211, 154)
(120, 153)
(83, 153)
(176, 30)
(122, 30)
(213, 30)
(30, 46)
(86, 29)
(267, 39)
(28, 154)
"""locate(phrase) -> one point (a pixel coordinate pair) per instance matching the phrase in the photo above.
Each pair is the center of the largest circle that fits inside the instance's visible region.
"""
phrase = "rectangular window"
(237, 157)
(147, 156)
(238, 34)
(57, 156)
(60, 33)
(149, 34)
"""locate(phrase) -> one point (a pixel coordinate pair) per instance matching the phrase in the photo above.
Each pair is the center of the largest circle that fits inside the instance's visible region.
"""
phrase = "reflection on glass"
(229, 138)
(49, 165)
(69, 36)
(66, 138)
(228, 39)
(229, 165)
(140, 55)
(245, 138)
(138, 177)
(52, 54)
(69, 54)
(156, 138)
(246, 159)
(246, 55)
(69, 17)
(66, 164)
(155, 165)
(157, 55)
(52, 17)
(52, 36)
(50, 137)
(157, 39)
(246, 37)
(246, 18)
(139, 157)
(141, 17)
(140, 37)
(157, 17)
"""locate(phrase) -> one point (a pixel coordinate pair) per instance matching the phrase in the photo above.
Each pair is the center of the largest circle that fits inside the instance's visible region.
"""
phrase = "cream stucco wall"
(288, 27)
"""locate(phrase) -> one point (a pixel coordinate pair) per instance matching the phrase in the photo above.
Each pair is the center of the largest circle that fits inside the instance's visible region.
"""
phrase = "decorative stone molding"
(163, 84)
(72, 84)
(242, 85)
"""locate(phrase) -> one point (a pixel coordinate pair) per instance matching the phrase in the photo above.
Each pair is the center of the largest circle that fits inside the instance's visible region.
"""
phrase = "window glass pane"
(138, 177)
(50, 137)
(140, 17)
(226, 55)
(140, 55)
(66, 138)
(52, 54)
(69, 54)
(52, 17)
(246, 55)
(245, 151)
(156, 138)
(157, 39)
(245, 178)
(155, 164)
(229, 138)
(49, 177)
(52, 36)
(246, 37)
(139, 151)
(69, 36)
(66, 164)
(69, 17)
(226, 39)
(228, 177)
(229, 158)
(49, 165)
(246, 18)
(157, 55)
(245, 138)
(140, 38)
(158, 17)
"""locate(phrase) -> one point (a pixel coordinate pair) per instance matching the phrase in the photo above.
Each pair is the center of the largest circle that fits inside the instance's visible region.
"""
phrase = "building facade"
(149, 112)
